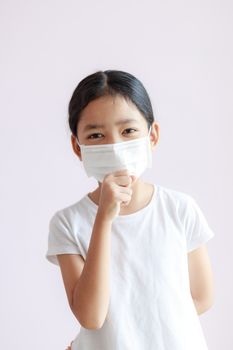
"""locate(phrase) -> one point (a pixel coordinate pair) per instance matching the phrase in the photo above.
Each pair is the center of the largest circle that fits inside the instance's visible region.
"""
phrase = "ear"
(155, 133)
(76, 147)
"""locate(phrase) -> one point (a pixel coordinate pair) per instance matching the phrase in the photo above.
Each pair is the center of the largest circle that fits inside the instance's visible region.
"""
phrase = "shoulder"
(70, 213)
(178, 203)
(178, 198)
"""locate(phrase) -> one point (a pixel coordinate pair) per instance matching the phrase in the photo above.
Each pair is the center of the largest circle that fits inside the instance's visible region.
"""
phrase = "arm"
(90, 297)
(88, 283)
(201, 279)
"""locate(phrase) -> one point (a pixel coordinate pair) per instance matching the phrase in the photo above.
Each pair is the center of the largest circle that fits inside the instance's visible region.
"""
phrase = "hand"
(69, 346)
(115, 192)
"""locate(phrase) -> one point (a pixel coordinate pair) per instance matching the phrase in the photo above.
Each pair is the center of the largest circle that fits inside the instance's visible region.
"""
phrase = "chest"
(148, 255)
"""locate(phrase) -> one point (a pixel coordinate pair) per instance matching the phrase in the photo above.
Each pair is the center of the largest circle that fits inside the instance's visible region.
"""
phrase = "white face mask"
(100, 160)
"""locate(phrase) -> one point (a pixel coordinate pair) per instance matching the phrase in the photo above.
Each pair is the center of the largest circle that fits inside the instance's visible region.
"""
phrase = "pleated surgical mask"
(100, 160)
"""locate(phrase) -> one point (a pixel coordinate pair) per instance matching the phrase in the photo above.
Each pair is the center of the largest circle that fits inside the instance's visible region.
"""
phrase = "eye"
(90, 136)
(93, 136)
(130, 129)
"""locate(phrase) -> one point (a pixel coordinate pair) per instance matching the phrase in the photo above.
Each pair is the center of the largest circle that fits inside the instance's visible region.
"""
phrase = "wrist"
(102, 217)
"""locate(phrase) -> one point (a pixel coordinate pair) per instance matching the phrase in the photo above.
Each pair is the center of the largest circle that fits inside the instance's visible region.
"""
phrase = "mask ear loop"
(77, 141)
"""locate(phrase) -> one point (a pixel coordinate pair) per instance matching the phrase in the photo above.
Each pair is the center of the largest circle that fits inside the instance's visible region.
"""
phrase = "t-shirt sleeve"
(197, 229)
(61, 239)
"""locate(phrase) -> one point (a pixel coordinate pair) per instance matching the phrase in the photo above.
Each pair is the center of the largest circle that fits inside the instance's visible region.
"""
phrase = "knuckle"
(107, 176)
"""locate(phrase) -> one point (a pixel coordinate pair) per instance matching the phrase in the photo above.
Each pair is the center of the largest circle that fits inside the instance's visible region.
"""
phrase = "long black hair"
(108, 82)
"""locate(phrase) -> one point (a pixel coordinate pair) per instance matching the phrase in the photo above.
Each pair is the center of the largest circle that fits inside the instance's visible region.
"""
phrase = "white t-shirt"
(150, 301)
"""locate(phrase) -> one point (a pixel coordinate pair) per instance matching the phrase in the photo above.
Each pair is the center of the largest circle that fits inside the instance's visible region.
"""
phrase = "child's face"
(106, 120)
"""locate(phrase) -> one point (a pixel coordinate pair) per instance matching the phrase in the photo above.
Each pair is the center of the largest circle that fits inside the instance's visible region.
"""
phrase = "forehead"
(107, 109)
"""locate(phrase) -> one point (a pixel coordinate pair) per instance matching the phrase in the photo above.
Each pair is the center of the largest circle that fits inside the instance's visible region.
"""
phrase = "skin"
(107, 111)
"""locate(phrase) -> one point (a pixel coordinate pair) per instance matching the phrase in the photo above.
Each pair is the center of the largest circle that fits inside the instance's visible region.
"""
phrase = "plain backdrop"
(182, 51)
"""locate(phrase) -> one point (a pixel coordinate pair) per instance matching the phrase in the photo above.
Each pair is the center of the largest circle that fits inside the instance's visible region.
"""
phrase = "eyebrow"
(120, 122)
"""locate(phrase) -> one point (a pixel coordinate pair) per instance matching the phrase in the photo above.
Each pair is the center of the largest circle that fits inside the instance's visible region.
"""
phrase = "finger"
(125, 190)
(123, 197)
(124, 204)
(123, 180)
(126, 172)
(117, 173)
(133, 178)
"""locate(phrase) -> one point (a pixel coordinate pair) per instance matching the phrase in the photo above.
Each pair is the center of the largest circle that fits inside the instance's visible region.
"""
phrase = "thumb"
(133, 177)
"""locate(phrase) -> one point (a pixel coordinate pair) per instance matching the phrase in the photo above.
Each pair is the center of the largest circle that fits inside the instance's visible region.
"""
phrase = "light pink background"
(182, 51)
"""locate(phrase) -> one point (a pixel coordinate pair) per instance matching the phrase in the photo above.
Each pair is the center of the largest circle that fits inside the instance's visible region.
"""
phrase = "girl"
(132, 254)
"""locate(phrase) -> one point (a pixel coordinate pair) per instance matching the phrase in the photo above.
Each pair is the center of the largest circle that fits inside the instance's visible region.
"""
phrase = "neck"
(141, 196)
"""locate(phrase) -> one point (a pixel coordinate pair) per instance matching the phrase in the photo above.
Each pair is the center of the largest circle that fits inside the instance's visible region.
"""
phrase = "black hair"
(104, 83)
